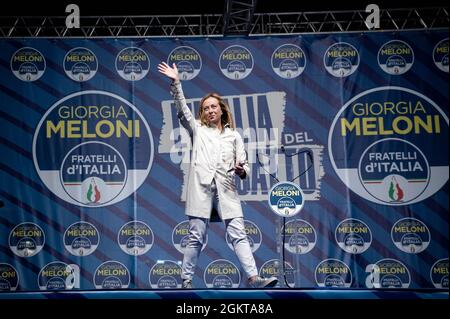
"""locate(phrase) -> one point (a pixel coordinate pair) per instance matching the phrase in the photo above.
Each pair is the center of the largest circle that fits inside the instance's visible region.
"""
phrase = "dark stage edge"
(199, 294)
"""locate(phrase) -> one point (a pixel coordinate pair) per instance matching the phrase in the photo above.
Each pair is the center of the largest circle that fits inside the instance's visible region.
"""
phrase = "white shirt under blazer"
(214, 153)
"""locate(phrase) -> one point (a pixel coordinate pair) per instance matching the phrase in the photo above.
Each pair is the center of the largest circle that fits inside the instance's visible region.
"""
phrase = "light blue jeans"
(197, 236)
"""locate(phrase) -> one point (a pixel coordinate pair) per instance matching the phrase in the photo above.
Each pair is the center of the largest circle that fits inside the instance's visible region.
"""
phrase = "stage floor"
(248, 294)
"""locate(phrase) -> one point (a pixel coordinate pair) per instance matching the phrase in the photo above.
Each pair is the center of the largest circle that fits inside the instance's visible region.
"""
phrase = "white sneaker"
(260, 282)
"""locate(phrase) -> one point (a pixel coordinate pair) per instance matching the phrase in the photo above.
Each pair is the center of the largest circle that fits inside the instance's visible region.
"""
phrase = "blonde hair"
(226, 119)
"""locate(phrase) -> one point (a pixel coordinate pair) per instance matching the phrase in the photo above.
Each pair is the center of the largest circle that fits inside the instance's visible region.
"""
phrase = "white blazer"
(214, 153)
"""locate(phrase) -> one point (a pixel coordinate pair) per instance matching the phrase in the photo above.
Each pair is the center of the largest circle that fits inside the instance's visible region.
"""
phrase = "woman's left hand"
(239, 170)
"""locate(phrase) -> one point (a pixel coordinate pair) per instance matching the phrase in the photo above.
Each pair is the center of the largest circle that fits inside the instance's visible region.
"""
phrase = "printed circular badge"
(410, 235)
(27, 64)
(80, 64)
(288, 61)
(341, 59)
(26, 239)
(440, 55)
(439, 274)
(132, 64)
(388, 273)
(101, 171)
(254, 236)
(272, 268)
(81, 239)
(395, 57)
(353, 236)
(57, 275)
(333, 273)
(236, 62)
(188, 61)
(165, 274)
(391, 160)
(300, 236)
(111, 275)
(9, 277)
(97, 181)
(221, 274)
(135, 238)
(180, 236)
(286, 199)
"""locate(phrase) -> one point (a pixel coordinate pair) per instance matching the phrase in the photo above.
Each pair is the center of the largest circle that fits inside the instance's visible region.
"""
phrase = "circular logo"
(254, 236)
(222, 273)
(386, 176)
(410, 235)
(440, 55)
(80, 64)
(395, 57)
(353, 236)
(389, 273)
(188, 61)
(99, 172)
(341, 59)
(135, 238)
(439, 273)
(272, 268)
(165, 274)
(236, 62)
(99, 181)
(57, 275)
(28, 64)
(286, 199)
(132, 64)
(180, 236)
(300, 236)
(383, 165)
(9, 277)
(333, 273)
(26, 239)
(81, 239)
(111, 275)
(288, 61)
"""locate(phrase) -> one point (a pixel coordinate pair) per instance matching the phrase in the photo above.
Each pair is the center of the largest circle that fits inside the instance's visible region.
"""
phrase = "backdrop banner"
(94, 162)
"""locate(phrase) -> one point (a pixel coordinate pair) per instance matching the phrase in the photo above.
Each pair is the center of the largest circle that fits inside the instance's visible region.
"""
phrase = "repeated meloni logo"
(353, 236)
(273, 268)
(28, 64)
(135, 238)
(81, 239)
(395, 57)
(439, 274)
(9, 277)
(222, 273)
(440, 55)
(165, 274)
(111, 275)
(26, 239)
(132, 64)
(341, 59)
(388, 273)
(58, 275)
(236, 62)
(188, 61)
(288, 61)
(81, 148)
(410, 235)
(299, 236)
(286, 199)
(80, 64)
(333, 273)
